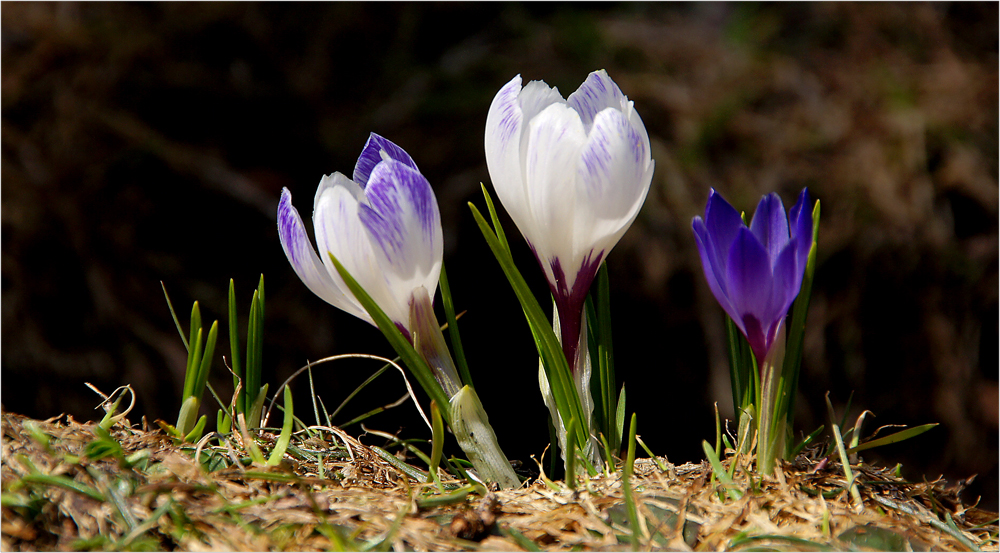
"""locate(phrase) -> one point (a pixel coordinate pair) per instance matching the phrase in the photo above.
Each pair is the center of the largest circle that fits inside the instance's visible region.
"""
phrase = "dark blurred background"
(147, 142)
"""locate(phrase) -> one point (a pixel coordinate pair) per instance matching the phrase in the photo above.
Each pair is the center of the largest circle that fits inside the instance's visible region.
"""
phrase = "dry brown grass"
(172, 503)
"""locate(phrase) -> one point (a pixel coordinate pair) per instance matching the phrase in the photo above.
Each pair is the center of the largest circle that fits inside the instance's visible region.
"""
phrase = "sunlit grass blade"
(193, 362)
(848, 473)
(620, 415)
(892, 438)
(456, 339)
(437, 444)
(627, 470)
(195, 434)
(286, 431)
(206, 361)
(421, 371)
(550, 351)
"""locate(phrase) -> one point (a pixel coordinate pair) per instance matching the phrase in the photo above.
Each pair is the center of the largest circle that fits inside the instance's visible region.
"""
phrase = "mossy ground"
(57, 496)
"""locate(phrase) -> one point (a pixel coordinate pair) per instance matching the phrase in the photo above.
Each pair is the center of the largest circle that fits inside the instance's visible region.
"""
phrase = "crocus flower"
(755, 273)
(383, 226)
(572, 173)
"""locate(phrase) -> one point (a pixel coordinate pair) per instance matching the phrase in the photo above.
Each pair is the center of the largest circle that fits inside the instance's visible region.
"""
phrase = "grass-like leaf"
(796, 333)
(453, 334)
(413, 360)
(892, 438)
(720, 471)
(437, 444)
(633, 514)
(286, 430)
(553, 359)
(234, 349)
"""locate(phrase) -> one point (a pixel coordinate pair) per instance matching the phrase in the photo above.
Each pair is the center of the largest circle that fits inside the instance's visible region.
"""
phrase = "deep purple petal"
(770, 225)
(801, 222)
(715, 271)
(787, 281)
(748, 271)
(723, 223)
(372, 156)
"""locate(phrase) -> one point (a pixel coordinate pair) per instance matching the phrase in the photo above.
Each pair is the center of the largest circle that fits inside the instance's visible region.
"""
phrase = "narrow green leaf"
(893, 438)
(550, 351)
(497, 227)
(234, 349)
(416, 364)
(796, 331)
(286, 431)
(806, 441)
(249, 379)
(195, 321)
(206, 360)
(456, 338)
(257, 408)
(173, 315)
(720, 471)
(193, 363)
(620, 416)
(195, 434)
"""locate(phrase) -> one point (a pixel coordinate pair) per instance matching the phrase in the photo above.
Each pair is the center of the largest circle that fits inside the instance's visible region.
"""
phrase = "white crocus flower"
(383, 226)
(572, 173)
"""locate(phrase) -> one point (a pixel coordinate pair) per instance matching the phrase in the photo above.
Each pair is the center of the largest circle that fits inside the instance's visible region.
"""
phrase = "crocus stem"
(581, 382)
(770, 424)
(429, 342)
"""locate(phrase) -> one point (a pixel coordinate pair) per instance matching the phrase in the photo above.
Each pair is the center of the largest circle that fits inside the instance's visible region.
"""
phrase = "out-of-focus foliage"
(131, 131)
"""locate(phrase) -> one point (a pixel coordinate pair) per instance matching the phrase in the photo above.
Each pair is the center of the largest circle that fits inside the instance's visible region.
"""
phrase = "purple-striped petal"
(770, 225)
(303, 258)
(613, 167)
(376, 150)
(404, 226)
(596, 94)
(801, 223)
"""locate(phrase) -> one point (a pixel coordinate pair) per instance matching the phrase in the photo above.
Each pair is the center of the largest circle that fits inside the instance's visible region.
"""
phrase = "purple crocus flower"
(383, 226)
(755, 273)
(572, 173)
